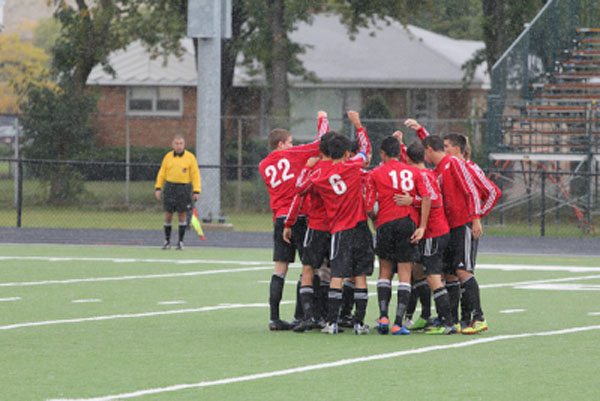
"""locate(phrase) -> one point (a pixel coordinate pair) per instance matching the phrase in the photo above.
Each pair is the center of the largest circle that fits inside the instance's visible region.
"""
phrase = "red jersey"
(461, 197)
(317, 214)
(388, 179)
(280, 170)
(340, 186)
(488, 191)
(437, 224)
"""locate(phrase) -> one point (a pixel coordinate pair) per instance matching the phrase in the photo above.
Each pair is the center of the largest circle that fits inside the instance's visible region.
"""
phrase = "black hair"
(324, 144)
(390, 146)
(354, 147)
(338, 146)
(434, 142)
(457, 140)
(416, 152)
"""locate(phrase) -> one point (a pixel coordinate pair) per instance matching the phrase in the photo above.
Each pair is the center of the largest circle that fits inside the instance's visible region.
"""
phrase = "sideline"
(342, 362)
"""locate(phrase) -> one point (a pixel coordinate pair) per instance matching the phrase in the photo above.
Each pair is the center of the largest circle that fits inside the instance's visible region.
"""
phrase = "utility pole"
(209, 21)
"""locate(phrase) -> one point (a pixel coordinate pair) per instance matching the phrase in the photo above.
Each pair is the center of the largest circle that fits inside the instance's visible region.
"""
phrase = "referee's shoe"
(180, 246)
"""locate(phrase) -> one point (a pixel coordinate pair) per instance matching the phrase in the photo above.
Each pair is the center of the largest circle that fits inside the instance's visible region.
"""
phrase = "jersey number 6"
(339, 186)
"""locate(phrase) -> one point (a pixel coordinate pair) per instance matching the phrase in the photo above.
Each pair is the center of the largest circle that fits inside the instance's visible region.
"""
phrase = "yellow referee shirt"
(179, 169)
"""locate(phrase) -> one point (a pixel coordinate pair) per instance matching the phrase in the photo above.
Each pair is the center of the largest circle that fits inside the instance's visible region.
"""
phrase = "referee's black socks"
(182, 228)
(168, 232)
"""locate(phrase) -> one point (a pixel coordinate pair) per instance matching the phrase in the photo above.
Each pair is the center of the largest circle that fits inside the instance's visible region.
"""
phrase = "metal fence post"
(543, 206)
(19, 192)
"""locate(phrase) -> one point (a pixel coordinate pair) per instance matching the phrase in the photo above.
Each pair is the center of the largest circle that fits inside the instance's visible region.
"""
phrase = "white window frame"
(154, 111)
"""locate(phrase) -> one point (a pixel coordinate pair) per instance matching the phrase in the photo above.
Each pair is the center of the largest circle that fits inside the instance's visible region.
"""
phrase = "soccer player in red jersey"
(434, 241)
(397, 232)
(280, 170)
(316, 245)
(464, 209)
(351, 254)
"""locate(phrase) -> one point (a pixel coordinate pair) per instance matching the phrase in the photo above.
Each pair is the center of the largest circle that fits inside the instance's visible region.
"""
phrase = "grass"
(114, 356)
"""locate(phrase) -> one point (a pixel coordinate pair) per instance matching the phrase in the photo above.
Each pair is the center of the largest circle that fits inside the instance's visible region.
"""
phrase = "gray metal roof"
(387, 55)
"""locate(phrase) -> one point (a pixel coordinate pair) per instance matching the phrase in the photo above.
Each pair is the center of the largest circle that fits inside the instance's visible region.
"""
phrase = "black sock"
(298, 312)
(442, 305)
(403, 298)
(275, 293)
(307, 295)
(411, 305)
(424, 293)
(316, 307)
(323, 298)
(347, 298)
(168, 232)
(453, 289)
(335, 302)
(182, 227)
(361, 298)
(384, 294)
(465, 306)
(472, 295)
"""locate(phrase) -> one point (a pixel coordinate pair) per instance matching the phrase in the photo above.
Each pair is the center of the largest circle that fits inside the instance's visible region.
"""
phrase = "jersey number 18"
(406, 180)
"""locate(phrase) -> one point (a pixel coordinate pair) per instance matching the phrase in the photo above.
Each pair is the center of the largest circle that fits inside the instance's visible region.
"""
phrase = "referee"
(179, 173)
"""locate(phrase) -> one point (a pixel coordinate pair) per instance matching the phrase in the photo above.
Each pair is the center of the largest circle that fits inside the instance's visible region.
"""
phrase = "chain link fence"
(536, 201)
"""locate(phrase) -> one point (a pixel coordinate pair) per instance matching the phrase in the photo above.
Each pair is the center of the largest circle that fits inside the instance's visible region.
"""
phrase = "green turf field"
(111, 323)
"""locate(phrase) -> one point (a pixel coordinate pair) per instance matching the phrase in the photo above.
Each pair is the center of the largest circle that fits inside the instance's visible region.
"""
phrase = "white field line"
(342, 362)
(136, 315)
(525, 283)
(10, 299)
(135, 277)
(86, 301)
(172, 303)
(512, 311)
(572, 269)
(594, 313)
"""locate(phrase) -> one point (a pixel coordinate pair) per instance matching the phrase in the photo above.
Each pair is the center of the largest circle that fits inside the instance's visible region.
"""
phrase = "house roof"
(387, 55)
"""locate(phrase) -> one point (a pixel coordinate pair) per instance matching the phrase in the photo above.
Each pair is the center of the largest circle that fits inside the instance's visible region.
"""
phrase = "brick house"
(418, 73)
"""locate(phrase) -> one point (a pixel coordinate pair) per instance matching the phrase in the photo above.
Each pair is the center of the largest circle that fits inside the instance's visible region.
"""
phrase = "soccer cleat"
(361, 328)
(330, 328)
(319, 323)
(279, 325)
(408, 322)
(346, 321)
(166, 245)
(418, 325)
(304, 325)
(295, 321)
(400, 330)
(477, 327)
(180, 246)
(441, 330)
(383, 325)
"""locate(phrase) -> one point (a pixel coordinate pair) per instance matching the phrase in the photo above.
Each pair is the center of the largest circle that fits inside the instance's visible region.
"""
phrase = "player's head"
(467, 152)
(339, 147)
(354, 148)
(178, 144)
(390, 147)
(455, 144)
(416, 153)
(433, 145)
(280, 139)
(324, 144)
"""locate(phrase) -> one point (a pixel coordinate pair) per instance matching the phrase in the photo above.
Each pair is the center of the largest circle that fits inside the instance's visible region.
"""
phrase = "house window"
(149, 100)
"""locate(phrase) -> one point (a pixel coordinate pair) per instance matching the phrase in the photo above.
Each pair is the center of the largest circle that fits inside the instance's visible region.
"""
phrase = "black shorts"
(393, 241)
(461, 251)
(316, 247)
(177, 197)
(352, 252)
(432, 253)
(282, 251)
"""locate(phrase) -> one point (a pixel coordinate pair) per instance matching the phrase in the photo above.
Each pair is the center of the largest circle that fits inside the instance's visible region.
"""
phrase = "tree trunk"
(494, 30)
(279, 104)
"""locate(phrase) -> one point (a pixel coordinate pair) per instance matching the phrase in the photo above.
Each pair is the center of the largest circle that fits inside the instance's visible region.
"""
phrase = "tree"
(21, 63)
(376, 108)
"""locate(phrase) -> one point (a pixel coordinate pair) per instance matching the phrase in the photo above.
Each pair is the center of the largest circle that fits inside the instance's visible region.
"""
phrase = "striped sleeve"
(422, 133)
(465, 178)
(490, 193)
(363, 141)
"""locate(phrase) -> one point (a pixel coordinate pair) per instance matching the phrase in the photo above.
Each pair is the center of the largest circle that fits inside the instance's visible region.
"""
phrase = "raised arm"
(403, 156)
(419, 129)
(361, 133)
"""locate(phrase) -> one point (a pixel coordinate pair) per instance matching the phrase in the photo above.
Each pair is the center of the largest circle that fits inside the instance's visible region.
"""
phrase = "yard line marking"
(533, 282)
(594, 313)
(171, 303)
(572, 269)
(10, 299)
(86, 301)
(136, 315)
(327, 365)
(561, 287)
(512, 310)
(136, 277)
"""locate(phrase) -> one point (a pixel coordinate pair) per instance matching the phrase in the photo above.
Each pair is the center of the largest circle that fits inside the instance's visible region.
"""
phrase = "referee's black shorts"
(282, 251)
(177, 197)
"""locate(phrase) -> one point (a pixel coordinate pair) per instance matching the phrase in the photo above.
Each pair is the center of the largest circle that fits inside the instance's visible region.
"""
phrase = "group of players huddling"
(427, 221)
